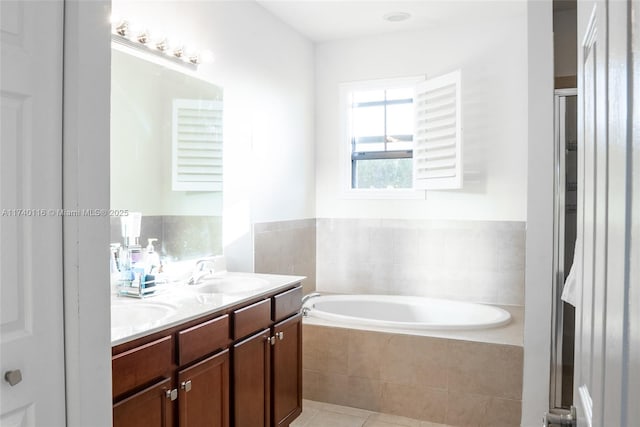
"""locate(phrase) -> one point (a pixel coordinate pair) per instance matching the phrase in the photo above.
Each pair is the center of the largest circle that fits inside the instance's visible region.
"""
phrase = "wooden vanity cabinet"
(189, 369)
(241, 368)
(203, 396)
(267, 366)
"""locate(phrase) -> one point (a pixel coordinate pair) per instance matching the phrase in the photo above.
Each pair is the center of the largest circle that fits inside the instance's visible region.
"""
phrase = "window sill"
(381, 194)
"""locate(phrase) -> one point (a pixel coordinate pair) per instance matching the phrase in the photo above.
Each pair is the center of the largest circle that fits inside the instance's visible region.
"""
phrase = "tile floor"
(318, 414)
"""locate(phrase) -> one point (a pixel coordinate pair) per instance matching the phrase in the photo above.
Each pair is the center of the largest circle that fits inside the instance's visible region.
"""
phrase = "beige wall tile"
(365, 349)
(364, 393)
(475, 410)
(414, 401)
(503, 413)
(488, 369)
(467, 410)
(331, 388)
(325, 349)
(287, 247)
(481, 261)
(408, 359)
(433, 379)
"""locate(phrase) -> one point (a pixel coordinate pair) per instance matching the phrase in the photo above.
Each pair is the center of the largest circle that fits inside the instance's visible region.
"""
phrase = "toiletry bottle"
(114, 258)
(125, 266)
(137, 266)
(151, 263)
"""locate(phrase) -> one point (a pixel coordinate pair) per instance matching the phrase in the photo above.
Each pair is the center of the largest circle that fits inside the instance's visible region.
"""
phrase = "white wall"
(539, 244)
(267, 71)
(492, 56)
(86, 239)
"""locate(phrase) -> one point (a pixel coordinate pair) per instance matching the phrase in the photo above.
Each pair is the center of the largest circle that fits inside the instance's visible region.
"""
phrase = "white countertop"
(133, 318)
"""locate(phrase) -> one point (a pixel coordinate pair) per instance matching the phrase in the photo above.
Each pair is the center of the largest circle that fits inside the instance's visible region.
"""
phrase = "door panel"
(205, 401)
(30, 229)
(251, 395)
(148, 408)
(287, 371)
(604, 332)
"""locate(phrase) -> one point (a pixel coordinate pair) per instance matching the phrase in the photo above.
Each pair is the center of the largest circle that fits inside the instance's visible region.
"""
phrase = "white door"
(31, 334)
(606, 339)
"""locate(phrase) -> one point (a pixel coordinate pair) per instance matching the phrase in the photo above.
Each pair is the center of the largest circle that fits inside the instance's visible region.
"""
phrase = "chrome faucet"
(305, 310)
(309, 296)
(204, 267)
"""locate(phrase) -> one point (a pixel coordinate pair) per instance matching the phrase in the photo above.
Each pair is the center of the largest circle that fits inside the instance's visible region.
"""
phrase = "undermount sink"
(123, 315)
(230, 285)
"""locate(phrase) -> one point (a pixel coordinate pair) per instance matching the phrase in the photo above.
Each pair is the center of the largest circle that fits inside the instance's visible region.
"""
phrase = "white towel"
(570, 290)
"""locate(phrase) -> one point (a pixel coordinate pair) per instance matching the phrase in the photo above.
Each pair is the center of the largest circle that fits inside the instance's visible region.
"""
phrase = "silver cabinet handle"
(172, 394)
(186, 385)
(280, 335)
(13, 377)
(272, 340)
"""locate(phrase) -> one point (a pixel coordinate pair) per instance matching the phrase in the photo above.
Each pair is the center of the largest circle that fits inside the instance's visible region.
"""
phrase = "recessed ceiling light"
(396, 16)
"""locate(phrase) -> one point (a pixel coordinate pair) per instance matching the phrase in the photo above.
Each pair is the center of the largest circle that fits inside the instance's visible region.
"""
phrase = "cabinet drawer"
(287, 303)
(142, 364)
(202, 339)
(251, 318)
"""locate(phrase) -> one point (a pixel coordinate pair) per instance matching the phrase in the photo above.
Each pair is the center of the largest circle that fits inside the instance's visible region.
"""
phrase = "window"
(402, 135)
(380, 127)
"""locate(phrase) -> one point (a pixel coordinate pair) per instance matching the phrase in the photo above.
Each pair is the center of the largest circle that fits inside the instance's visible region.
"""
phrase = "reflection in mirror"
(166, 156)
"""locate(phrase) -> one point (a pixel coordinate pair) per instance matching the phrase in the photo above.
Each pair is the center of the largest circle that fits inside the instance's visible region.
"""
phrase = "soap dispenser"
(151, 263)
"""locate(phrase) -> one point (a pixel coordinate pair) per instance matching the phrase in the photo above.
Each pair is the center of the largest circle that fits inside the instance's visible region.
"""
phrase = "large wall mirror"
(166, 155)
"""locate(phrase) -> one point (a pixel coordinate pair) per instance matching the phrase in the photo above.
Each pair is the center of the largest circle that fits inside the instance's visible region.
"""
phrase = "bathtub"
(404, 312)
(423, 358)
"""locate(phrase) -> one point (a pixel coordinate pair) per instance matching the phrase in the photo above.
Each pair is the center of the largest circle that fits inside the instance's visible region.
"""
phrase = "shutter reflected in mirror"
(437, 153)
(197, 145)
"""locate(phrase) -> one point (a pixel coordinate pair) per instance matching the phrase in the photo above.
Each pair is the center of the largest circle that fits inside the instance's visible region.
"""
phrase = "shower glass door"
(565, 202)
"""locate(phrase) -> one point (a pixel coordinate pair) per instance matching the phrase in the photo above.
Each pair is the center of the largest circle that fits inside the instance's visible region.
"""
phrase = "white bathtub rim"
(503, 317)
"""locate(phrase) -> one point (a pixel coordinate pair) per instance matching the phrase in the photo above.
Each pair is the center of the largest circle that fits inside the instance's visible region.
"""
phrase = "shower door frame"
(557, 313)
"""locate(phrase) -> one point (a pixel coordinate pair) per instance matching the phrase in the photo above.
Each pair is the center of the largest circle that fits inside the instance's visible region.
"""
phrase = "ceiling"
(327, 20)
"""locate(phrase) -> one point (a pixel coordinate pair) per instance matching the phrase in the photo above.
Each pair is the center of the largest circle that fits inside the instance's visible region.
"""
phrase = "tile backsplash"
(179, 236)
(287, 247)
(479, 261)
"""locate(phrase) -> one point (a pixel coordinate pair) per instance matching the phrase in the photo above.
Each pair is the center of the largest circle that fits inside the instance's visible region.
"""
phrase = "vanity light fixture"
(142, 41)
(122, 28)
(162, 45)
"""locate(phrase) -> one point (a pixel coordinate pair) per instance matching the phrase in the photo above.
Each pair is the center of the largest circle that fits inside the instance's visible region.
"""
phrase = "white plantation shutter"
(437, 152)
(197, 145)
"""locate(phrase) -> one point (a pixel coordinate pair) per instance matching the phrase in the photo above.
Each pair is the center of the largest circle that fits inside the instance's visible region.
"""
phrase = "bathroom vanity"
(195, 357)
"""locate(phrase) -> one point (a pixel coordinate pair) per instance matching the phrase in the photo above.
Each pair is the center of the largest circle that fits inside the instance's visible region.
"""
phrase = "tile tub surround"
(440, 380)
(478, 261)
(287, 247)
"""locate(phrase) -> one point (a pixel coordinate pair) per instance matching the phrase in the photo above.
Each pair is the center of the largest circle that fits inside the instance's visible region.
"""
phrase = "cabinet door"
(287, 371)
(204, 393)
(251, 394)
(150, 407)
